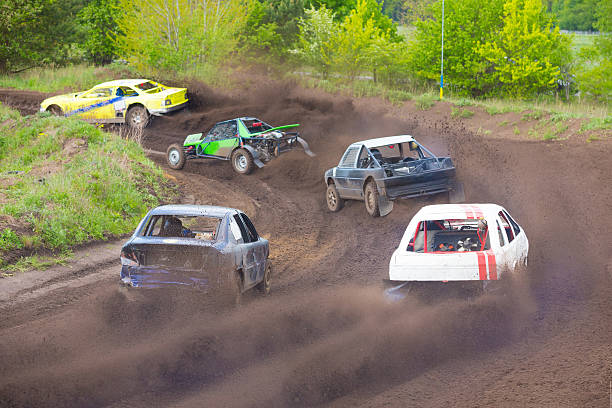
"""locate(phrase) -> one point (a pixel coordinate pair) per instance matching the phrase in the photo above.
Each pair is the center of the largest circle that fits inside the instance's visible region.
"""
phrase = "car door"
(345, 173)
(247, 254)
(222, 139)
(510, 235)
(522, 245)
(96, 104)
(260, 250)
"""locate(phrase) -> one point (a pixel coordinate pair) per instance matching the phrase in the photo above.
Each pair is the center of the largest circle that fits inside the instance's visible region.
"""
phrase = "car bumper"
(161, 111)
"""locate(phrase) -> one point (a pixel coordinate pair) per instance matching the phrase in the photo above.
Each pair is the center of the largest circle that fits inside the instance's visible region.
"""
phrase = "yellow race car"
(130, 101)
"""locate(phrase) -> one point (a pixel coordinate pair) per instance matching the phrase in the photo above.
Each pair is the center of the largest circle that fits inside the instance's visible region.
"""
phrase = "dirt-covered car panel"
(194, 246)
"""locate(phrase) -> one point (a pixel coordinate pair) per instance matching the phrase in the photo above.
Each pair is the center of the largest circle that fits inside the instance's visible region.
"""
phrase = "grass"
(425, 101)
(516, 130)
(461, 113)
(64, 182)
(580, 41)
(596, 124)
(70, 78)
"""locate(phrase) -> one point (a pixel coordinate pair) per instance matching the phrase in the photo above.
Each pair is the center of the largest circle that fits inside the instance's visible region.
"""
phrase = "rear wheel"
(371, 199)
(334, 202)
(175, 156)
(242, 161)
(264, 286)
(137, 117)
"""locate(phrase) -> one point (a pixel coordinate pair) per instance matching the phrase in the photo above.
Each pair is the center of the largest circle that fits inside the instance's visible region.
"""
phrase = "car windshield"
(255, 125)
(182, 226)
(397, 152)
(450, 235)
(146, 86)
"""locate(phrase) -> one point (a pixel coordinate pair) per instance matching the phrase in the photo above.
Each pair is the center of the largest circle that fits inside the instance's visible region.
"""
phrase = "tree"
(36, 32)
(177, 34)
(525, 57)
(576, 14)
(317, 30)
(467, 24)
(99, 20)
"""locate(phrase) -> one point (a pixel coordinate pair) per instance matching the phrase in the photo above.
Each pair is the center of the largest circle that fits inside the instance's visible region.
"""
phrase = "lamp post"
(442, 60)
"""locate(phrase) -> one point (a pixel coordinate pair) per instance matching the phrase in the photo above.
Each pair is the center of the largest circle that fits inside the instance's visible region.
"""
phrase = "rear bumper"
(161, 111)
(420, 185)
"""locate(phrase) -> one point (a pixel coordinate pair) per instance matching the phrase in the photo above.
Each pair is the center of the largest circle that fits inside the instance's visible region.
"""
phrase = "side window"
(243, 230)
(221, 131)
(153, 227)
(350, 157)
(501, 234)
(250, 228)
(417, 242)
(506, 225)
(99, 93)
(515, 227)
(364, 159)
(126, 91)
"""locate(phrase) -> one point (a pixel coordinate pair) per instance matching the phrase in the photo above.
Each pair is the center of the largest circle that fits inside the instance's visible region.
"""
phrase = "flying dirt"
(326, 336)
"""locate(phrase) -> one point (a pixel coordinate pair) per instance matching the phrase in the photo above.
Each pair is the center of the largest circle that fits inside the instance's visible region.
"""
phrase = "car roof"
(460, 211)
(384, 141)
(189, 209)
(124, 82)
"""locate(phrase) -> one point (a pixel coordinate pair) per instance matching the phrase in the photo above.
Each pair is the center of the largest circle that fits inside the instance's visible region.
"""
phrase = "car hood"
(61, 98)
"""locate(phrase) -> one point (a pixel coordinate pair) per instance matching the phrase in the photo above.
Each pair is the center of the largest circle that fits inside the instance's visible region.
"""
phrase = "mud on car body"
(471, 243)
(246, 141)
(130, 101)
(381, 170)
(204, 247)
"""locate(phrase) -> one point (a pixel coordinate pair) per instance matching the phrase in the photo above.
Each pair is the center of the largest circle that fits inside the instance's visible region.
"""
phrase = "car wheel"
(264, 286)
(334, 201)
(137, 117)
(371, 199)
(55, 110)
(242, 161)
(175, 156)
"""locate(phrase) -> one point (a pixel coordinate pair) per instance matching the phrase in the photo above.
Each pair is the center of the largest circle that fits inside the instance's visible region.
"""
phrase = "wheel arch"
(367, 181)
(50, 107)
(330, 181)
(135, 104)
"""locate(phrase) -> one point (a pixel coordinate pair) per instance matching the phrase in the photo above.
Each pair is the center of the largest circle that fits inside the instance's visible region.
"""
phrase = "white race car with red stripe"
(459, 242)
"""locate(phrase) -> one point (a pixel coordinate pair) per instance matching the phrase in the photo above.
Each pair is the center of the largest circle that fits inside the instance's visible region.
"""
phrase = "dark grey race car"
(198, 246)
(381, 170)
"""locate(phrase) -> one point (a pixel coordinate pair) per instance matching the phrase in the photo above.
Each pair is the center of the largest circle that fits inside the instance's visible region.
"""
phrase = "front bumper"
(161, 111)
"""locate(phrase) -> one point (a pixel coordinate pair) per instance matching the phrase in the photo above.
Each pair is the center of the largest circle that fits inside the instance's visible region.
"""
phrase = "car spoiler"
(276, 128)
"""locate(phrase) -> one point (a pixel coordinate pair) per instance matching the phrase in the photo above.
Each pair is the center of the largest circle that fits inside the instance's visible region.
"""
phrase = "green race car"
(247, 142)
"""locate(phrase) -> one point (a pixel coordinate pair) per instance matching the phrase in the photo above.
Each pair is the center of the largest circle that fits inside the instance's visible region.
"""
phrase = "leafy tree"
(99, 20)
(317, 30)
(467, 24)
(524, 57)
(178, 34)
(36, 32)
(576, 14)
(595, 62)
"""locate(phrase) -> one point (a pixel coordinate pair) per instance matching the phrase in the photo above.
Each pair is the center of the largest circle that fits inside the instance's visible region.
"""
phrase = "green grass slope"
(64, 182)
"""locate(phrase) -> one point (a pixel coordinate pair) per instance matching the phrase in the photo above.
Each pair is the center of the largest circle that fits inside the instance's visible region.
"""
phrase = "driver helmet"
(482, 224)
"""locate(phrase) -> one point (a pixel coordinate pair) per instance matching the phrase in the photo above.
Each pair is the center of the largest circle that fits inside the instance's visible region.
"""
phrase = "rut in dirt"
(327, 332)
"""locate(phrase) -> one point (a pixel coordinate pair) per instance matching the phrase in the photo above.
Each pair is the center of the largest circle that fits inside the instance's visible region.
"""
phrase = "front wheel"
(371, 199)
(242, 161)
(175, 156)
(137, 117)
(264, 286)
(334, 201)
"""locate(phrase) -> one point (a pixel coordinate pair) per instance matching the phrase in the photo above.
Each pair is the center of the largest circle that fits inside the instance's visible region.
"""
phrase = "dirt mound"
(327, 336)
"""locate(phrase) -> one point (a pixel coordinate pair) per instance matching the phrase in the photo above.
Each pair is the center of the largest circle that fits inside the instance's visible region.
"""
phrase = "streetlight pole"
(442, 60)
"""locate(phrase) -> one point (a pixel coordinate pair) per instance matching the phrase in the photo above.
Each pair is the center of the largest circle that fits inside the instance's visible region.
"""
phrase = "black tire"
(371, 199)
(175, 156)
(137, 117)
(55, 110)
(334, 201)
(264, 286)
(242, 161)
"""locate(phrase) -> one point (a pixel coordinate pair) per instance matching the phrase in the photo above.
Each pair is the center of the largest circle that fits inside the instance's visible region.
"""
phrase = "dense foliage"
(502, 48)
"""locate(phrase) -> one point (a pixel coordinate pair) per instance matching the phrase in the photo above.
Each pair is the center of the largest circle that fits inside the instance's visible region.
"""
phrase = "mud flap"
(305, 147)
(456, 194)
(384, 205)
(253, 152)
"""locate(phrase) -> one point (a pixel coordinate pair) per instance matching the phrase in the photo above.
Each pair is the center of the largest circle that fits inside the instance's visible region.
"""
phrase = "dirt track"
(326, 337)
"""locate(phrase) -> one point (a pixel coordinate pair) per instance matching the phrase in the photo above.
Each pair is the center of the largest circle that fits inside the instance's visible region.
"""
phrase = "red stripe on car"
(468, 211)
(482, 266)
(492, 265)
